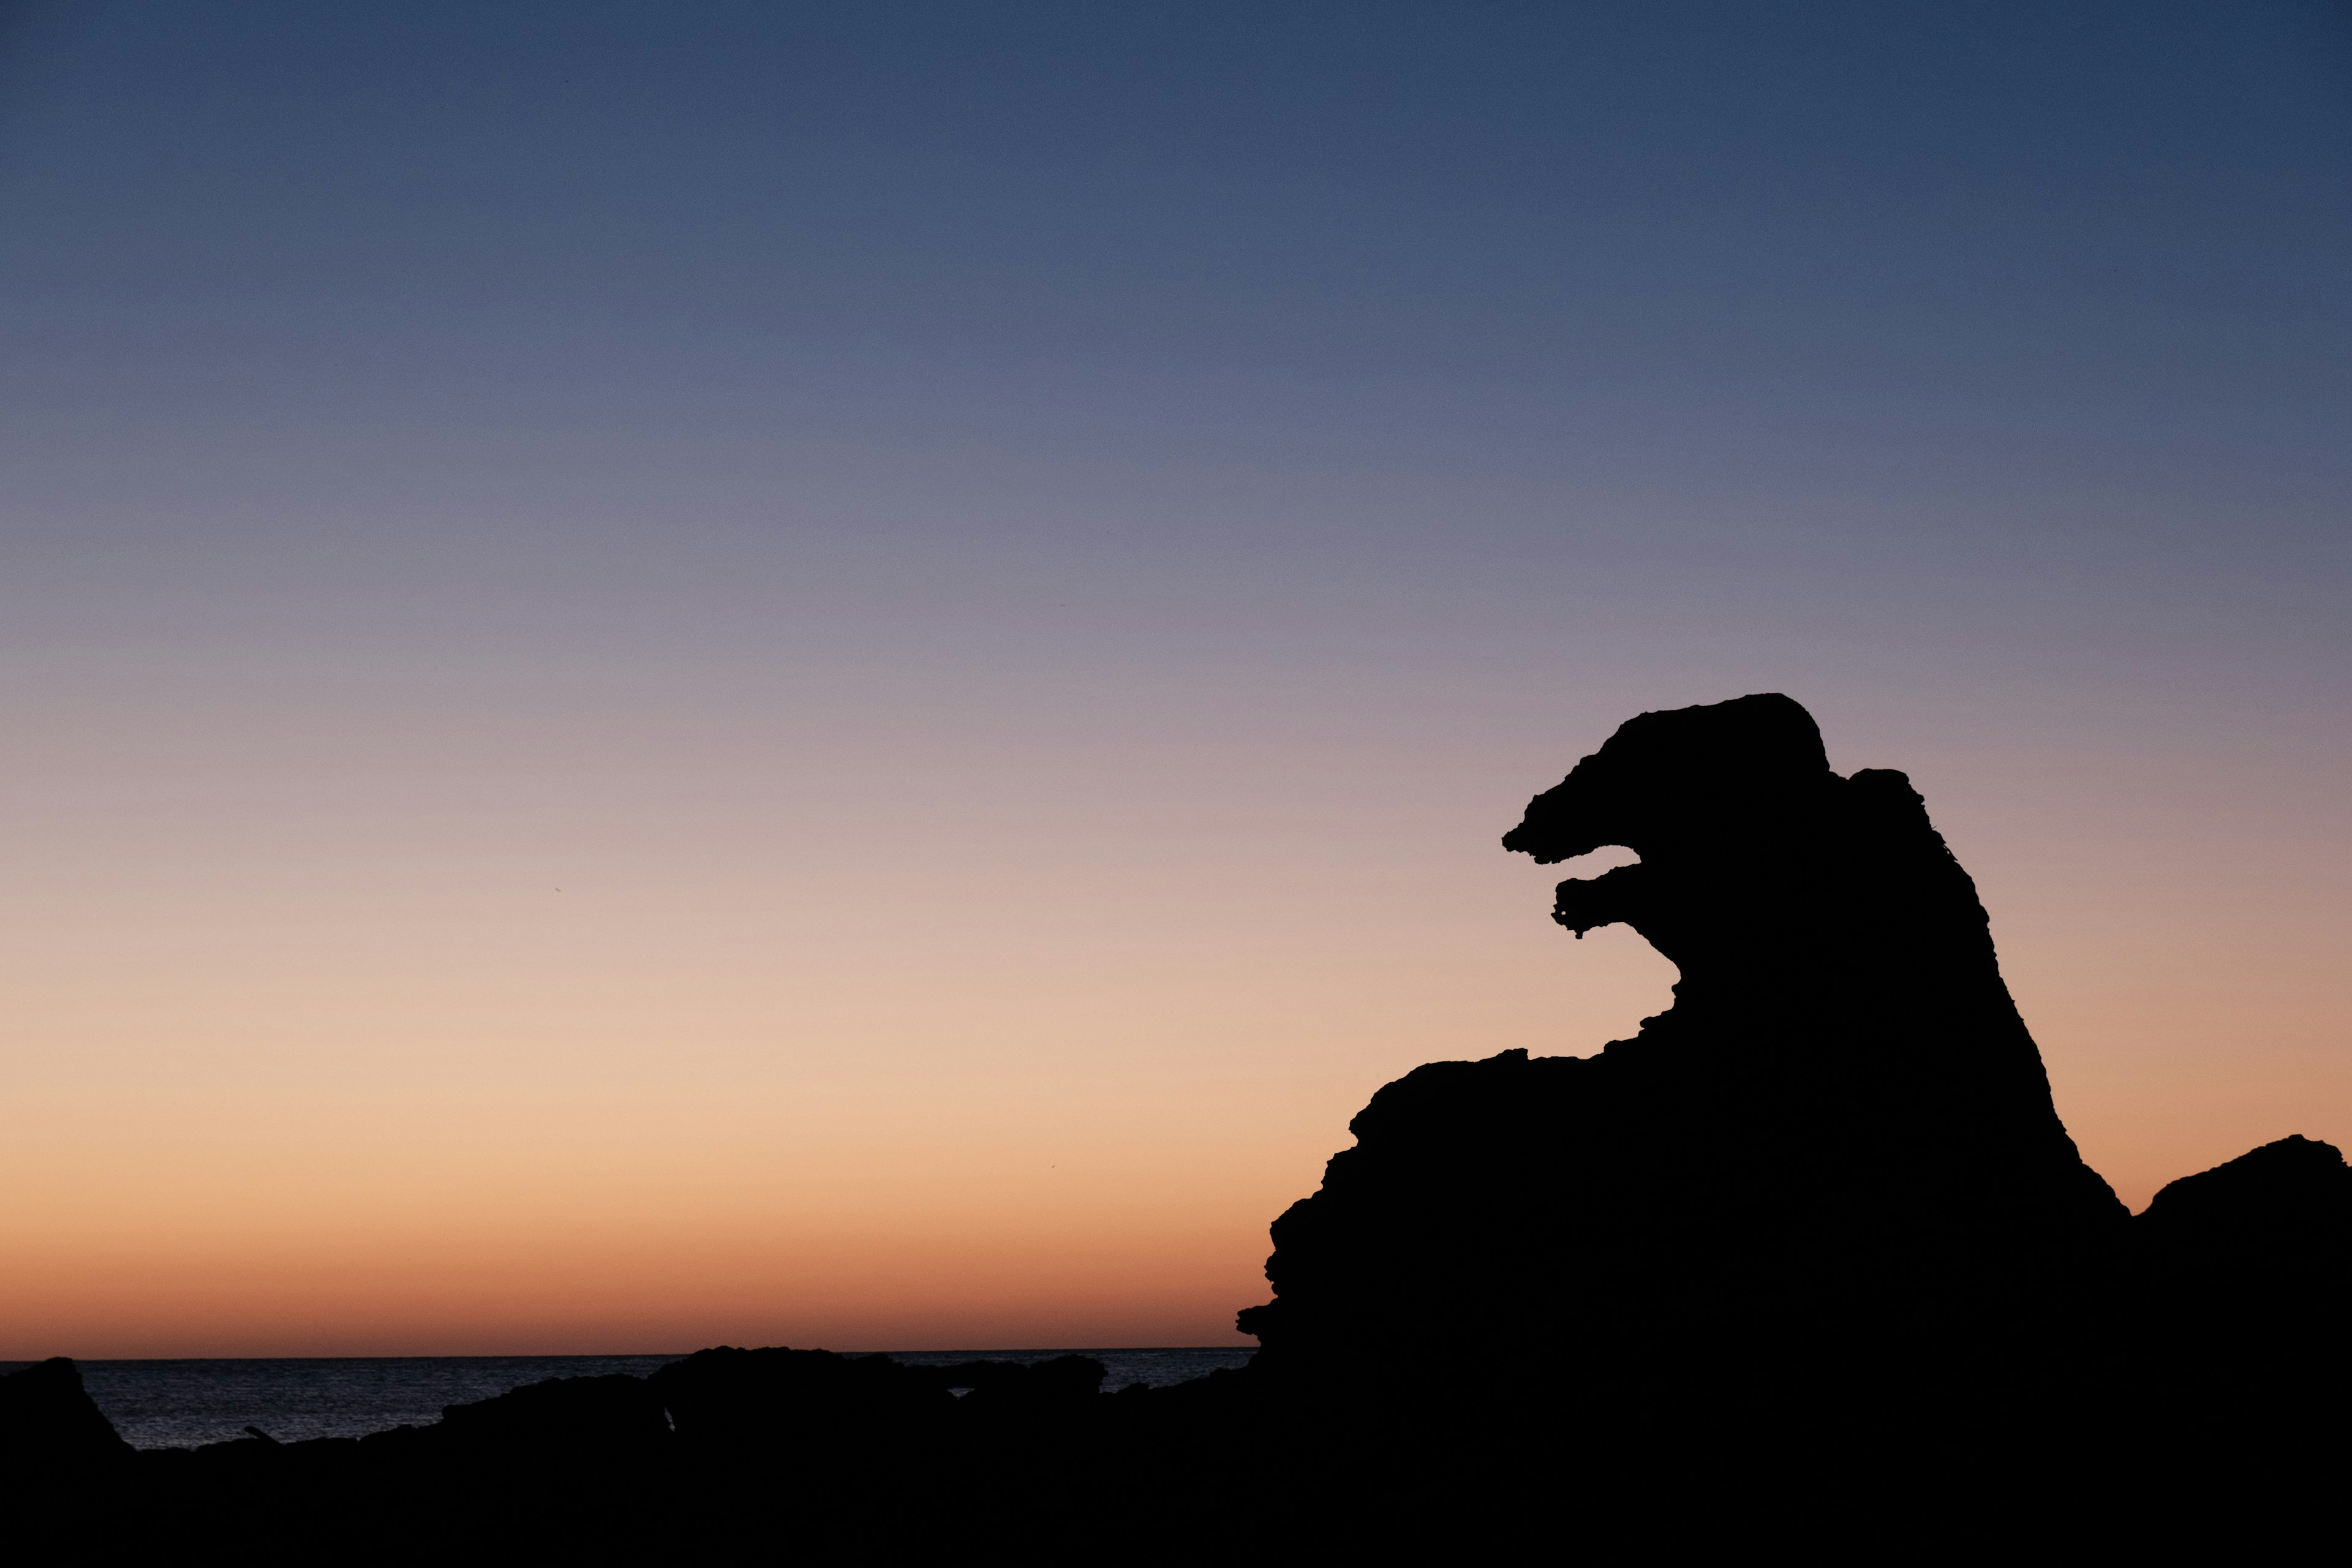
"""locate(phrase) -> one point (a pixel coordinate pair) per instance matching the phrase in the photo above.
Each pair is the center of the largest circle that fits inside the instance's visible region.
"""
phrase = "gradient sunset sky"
(845, 675)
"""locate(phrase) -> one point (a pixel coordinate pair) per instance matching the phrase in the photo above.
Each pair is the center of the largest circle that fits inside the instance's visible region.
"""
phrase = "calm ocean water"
(179, 1404)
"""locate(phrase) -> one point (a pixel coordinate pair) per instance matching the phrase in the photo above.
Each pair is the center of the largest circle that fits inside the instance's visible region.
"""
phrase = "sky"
(845, 675)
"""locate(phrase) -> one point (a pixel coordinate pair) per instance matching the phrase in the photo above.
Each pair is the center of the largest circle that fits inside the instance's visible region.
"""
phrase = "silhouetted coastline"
(1810, 1262)
(187, 1402)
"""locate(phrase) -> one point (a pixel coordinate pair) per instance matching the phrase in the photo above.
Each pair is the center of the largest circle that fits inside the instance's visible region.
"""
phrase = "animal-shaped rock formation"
(1830, 1170)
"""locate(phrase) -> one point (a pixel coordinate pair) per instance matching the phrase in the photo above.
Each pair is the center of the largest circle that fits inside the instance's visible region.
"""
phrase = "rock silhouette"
(608, 1415)
(2281, 1214)
(1808, 1262)
(2244, 1281)
(1839, 1135)
(48, 1422)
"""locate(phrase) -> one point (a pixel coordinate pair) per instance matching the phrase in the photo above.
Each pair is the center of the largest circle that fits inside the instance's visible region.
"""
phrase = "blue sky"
(918, 483)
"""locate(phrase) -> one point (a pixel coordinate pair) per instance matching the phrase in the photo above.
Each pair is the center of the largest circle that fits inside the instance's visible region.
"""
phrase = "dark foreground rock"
(1809, 1264)
(48, 1422)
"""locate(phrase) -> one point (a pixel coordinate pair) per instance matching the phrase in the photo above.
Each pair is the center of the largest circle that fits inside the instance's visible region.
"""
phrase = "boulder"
(47, 1421)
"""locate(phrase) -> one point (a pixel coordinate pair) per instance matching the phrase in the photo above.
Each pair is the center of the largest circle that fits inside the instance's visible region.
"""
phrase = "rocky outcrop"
(2241, 1288)
(1832, 1172)
(2280, 1217)
(47, 1421)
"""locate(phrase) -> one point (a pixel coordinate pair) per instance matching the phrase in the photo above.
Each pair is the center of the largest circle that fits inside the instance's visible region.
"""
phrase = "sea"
(183, 1404)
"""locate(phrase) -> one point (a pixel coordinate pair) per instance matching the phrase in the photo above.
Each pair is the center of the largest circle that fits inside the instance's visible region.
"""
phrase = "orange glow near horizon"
(705, 1095)
(795, 679)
